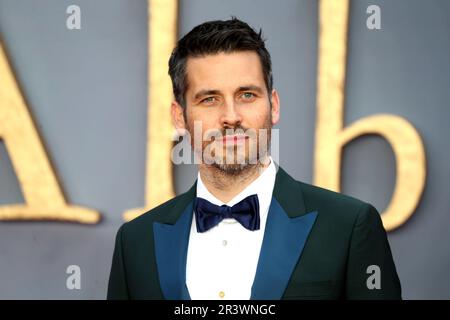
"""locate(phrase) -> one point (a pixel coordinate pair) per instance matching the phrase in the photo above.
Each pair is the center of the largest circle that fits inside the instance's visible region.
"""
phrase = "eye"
(209, 100)
(247, 95)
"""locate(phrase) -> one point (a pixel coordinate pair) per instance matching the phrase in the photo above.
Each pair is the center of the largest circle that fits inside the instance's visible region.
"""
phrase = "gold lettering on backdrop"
(331, 136)
(162, 29)
(44, 199)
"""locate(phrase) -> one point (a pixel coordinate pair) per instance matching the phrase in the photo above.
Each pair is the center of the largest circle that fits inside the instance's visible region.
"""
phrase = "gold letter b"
(331, 136)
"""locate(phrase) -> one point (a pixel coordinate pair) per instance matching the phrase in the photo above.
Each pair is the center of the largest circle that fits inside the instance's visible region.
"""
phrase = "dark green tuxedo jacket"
(317, 244)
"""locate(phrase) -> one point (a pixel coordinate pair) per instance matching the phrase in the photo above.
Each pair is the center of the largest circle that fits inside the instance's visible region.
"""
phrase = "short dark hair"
(214, 37)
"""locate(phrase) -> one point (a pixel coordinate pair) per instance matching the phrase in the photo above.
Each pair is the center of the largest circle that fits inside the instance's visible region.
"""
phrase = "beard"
(233, 160)
(242, 158)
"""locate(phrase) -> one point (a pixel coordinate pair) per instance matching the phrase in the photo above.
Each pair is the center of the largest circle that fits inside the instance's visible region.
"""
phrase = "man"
(245, 229)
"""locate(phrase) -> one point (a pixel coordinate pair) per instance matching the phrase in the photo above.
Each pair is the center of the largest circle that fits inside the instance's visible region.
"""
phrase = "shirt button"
(224, 242)
(221, 294)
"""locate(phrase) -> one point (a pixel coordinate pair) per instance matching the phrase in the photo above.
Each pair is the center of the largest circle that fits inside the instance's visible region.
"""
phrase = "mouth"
(234, 139)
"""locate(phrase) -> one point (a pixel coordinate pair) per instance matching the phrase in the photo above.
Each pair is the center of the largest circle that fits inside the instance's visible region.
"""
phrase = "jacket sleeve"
(117, 286)
(371, 272)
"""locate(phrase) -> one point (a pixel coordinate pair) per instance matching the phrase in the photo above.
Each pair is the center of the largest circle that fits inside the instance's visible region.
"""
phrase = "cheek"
(201, 120)
(256, 117)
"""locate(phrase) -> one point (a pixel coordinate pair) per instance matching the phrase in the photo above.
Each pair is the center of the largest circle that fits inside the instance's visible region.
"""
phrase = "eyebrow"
(251, 88)
(202, 93)
(206, 92)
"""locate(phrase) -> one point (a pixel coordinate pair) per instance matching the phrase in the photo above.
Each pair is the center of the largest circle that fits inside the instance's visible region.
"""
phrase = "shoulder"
(167, 212)
(340, 217)
(315, 196)
(339, 208)
(331, 206)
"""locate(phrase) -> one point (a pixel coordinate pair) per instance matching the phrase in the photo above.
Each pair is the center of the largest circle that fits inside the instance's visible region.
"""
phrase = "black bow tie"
(208, 215)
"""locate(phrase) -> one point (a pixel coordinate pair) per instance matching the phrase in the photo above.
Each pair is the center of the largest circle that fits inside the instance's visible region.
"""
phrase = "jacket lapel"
(171, 239)
(287, 228)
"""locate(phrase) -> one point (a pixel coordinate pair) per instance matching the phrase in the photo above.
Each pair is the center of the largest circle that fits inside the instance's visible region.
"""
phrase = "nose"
(230, 117)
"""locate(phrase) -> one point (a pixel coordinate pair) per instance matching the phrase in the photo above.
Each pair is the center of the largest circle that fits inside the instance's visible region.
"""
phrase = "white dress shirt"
(221, 262)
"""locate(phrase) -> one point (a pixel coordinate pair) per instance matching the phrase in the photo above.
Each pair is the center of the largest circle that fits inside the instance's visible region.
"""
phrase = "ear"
(275, 107)
(178, 118)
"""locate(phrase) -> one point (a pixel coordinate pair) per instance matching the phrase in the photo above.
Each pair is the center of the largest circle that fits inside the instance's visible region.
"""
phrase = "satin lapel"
(171, 238)
(287, 229)
(171, 242)
(284, 239)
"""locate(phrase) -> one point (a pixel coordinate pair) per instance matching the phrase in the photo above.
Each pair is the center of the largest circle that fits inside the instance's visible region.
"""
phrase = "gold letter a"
(44, 199)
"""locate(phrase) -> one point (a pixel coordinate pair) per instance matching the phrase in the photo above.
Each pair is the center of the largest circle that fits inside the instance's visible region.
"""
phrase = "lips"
(234, 139)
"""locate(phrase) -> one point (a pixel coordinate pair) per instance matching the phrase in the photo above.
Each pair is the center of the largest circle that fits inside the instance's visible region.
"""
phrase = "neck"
(225, 186)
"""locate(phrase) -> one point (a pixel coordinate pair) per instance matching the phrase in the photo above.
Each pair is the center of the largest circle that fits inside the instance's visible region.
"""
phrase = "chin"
(232, 169)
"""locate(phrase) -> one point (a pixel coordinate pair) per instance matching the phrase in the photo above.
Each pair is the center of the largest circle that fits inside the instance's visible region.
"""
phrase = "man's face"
(227, 96)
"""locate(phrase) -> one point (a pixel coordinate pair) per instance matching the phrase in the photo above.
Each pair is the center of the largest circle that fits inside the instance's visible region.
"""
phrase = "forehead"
(223, 71)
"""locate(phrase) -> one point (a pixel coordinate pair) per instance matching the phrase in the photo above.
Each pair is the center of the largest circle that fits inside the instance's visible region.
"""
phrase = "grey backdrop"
(87, 92)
